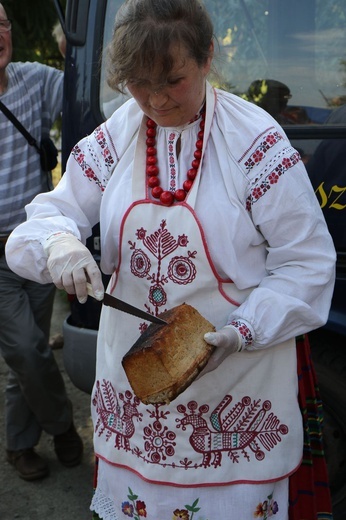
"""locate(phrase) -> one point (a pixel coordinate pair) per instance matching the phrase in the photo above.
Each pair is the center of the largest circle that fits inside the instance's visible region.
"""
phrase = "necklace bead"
(156, 192)
(168, 197)
(191, 174)
(180, 195)
(153, 182)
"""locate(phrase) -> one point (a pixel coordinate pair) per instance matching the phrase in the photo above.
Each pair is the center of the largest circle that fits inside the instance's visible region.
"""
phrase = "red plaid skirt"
(309, 493)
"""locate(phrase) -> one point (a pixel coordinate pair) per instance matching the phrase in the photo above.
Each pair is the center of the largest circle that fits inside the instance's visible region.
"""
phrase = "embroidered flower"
(80, 158)
(271, 139)
(159, 442)
(273, 508)
(135, 509)
(244, 331)
(99, 134)
(257, 156)
(181, 270)
(181, 513)
(140, 263)
(89, 173)
(257, 193)
(127, 509)
(261, 510)
(141, 508)
(267, 508)
(143, 327)
(141, 233)
(259, 513)
(157, 295)
(183, 240)
(273, 178)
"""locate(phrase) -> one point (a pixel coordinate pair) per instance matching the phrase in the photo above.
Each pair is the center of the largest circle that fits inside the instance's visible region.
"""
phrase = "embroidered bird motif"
(248, 425)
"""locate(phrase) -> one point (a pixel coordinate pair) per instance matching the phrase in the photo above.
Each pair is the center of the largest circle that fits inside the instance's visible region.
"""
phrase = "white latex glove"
(227, 341)
(71, 266)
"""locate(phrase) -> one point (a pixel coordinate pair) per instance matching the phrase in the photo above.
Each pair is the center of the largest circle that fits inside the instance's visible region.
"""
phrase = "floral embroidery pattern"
(271, 179)
(158, 439)
(244, 331)
(136, 509)
(88, 172)
(161, 244)
(268, 141)
(108, 160)
(171, 161)
(267, 508)
(105, 151)
(183, 514)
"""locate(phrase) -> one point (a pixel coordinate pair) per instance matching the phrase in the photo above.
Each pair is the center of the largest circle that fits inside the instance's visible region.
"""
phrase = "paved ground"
(66, 493)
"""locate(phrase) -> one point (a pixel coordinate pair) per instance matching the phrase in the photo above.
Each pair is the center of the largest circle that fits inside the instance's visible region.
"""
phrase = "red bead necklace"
(167, 198)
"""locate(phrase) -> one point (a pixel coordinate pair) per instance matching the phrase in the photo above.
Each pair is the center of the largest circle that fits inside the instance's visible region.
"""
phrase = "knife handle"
(90, 290)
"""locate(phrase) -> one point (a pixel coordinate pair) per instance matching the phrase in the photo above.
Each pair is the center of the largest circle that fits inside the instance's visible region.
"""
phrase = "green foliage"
(32, 27)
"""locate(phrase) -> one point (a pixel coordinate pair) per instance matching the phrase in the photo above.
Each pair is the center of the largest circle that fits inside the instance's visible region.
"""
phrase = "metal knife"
(114, 302)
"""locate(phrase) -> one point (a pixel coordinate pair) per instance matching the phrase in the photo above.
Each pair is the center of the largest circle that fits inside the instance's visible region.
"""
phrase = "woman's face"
(178, 100)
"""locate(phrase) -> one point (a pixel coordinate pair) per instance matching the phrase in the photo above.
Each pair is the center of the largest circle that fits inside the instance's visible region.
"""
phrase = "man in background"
(35, 397)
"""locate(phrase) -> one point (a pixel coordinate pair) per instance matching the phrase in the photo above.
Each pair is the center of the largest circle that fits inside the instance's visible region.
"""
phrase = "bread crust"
(167, 358)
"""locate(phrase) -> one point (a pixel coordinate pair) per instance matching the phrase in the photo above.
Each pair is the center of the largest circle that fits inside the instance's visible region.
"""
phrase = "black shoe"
(69, 447)
(28, 464)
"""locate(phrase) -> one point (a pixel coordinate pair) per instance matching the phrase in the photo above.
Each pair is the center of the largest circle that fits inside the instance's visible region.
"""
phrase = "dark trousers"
(35, 396)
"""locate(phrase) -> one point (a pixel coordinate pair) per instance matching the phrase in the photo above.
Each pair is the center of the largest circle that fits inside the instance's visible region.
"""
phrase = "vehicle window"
(288, 57)
(109, 100)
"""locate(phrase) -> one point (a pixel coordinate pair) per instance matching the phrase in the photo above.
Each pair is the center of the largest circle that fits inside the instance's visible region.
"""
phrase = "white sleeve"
(295, 295)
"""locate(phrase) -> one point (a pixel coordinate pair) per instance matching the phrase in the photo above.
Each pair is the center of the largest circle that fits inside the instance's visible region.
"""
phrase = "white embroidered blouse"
(263, 227)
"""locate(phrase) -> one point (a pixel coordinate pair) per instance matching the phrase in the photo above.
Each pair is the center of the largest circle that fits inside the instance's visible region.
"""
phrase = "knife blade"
(116, 303)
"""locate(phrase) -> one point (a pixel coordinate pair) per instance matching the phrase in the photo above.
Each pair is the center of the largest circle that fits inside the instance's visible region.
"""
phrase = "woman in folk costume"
(201, 199)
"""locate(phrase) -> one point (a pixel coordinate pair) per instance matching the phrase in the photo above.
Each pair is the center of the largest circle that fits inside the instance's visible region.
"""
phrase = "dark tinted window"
(288, 57)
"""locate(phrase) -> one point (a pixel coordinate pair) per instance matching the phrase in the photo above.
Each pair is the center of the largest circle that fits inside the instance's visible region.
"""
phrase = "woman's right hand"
(72, 266)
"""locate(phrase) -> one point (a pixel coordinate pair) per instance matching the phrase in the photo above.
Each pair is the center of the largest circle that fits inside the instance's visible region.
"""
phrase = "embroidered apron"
(239, 423)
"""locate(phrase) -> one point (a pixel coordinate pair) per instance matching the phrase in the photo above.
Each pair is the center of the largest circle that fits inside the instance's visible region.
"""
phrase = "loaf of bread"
(167, 358)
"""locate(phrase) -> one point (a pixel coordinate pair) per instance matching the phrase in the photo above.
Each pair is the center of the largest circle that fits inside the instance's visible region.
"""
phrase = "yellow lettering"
(340, 191)
(322, 194)
(332, 199)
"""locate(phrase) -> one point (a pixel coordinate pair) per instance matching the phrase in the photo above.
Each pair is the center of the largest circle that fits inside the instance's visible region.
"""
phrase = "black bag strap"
(31, 140)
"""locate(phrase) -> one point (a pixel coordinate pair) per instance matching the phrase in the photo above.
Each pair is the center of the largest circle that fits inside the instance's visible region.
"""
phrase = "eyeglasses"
(5, 25)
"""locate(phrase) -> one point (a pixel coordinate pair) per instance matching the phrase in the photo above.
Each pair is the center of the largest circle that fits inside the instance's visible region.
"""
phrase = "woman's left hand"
(227, 341)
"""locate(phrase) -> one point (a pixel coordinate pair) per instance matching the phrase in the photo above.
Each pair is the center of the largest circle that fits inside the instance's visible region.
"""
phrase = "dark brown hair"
(145, 31)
